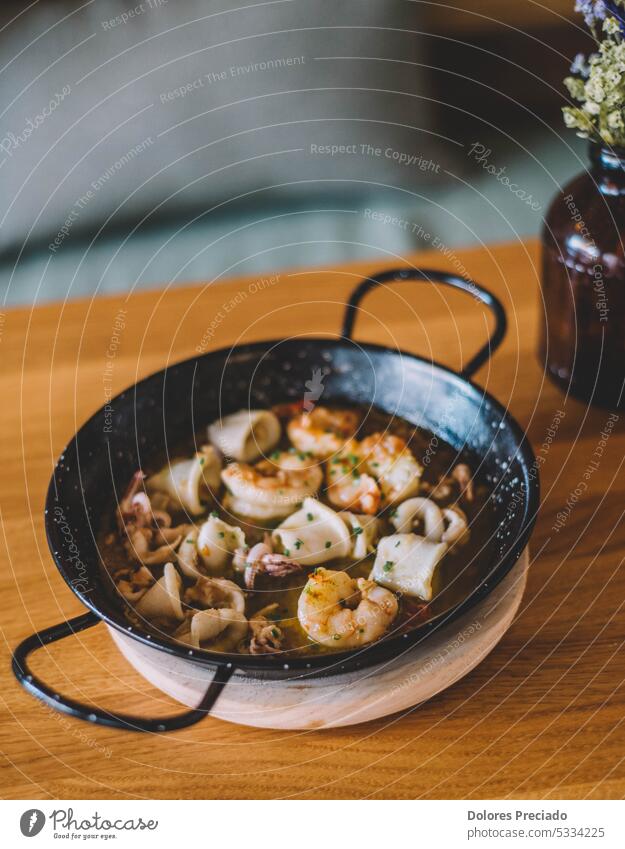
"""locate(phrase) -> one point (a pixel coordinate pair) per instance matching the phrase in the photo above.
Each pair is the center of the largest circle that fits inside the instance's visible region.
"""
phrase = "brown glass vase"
(583, 283)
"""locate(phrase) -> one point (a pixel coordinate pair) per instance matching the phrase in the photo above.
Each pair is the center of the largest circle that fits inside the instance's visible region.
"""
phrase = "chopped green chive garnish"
(310, 517)
(388, 565)
(328, 543)
(357, 530)
(299, 543)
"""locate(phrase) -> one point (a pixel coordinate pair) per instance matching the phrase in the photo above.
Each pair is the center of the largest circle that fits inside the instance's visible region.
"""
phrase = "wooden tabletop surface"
(542, 716)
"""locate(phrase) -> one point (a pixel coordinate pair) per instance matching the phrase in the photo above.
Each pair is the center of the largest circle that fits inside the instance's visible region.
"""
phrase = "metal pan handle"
(442, 277)
(95, 715)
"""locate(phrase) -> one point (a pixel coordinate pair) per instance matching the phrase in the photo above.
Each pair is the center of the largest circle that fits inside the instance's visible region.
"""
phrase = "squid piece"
(261, 559)
(215, 593)
(406, 563)
(274, 565)
(216, 544)
(189, 483)
(266, 636)
(162, 600)
(133, 583)
(220, 629)
(214, 615)
(447, 524)
(188, 557)
(457, 530)
(146, 530)
(463, 477)
(247, 435)
(138, 547)
(458, 485)
(422, 510)
(364, 531)
(313, 535)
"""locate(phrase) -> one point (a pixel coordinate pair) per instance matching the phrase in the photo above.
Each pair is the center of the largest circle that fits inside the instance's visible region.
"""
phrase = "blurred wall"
(114, 109)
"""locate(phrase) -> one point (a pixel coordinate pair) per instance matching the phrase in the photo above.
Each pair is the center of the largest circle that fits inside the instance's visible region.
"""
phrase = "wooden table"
(542, 716)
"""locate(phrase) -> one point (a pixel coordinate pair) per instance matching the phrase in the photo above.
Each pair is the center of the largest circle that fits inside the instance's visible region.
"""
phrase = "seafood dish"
(297, 531)
(218, 523)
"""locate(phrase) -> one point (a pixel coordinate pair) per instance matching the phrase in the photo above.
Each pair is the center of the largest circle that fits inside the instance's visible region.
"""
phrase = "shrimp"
(341, 612)
(388, 458)
(348, 487)
(273, 488)
(322, 431)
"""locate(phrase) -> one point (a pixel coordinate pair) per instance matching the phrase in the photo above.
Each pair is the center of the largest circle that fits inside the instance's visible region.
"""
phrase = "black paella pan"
(169, 407)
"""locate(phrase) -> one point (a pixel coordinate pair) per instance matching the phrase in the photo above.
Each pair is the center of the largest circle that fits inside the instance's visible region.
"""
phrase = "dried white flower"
(593, 88)
(591, 107)
(575, 87)
(597, 82)
(612, 77)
